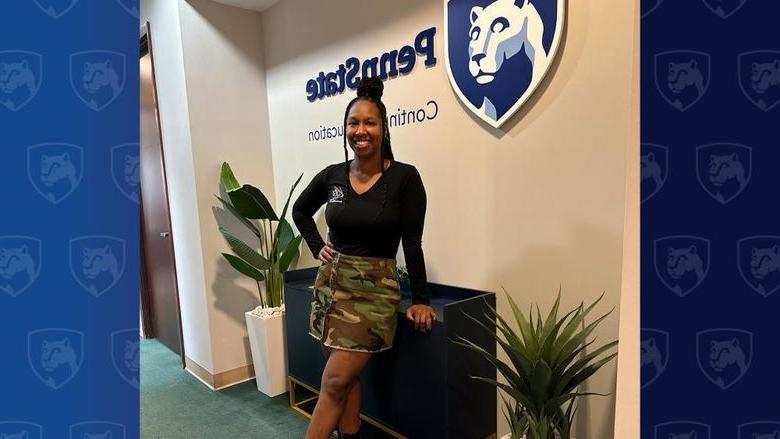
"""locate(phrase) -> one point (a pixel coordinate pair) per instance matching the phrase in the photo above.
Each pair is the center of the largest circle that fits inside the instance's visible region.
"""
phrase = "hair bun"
(371, 87)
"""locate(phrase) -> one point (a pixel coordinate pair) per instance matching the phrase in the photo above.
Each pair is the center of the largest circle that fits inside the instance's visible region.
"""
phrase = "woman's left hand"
(422, 316)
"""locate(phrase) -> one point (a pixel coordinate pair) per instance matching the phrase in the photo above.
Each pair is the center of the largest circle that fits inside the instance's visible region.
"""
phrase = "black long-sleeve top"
(372, 223)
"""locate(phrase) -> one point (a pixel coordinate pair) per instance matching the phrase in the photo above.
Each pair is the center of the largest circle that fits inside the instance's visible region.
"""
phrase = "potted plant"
(265, 262)
(548, 361)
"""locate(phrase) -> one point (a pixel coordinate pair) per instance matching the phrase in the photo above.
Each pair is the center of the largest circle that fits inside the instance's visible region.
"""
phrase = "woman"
(373, 203)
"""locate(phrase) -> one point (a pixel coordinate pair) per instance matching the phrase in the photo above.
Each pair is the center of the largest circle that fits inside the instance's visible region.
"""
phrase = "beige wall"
(538, 204)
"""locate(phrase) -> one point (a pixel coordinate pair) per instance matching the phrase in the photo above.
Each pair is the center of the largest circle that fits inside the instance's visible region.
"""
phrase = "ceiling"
(257, 5)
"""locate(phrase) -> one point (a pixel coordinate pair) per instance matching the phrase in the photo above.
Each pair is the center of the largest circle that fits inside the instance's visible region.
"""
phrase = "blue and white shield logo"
(55, 355)
(97, 77)
(20, 430)
(654, 357)
(125, 170)
(21, 73)
(97, 262)
(682, 430)
(648, 6)
(498, 51)
(20, 263)
(55, 8)
(681, 262)
(131, 6)
(97, 430)
(759, 430)
(724, 355)
(654, 169)
(55, 169)
(125, 355)
(724, 8)
(724, 169)
(682, 77)
(759, 78)
(759, 263)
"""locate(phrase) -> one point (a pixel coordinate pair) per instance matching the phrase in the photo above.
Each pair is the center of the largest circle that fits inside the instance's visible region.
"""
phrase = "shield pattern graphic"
(20, 263)
(682, 77)
(97, 262)
(20, 429)
(55, 170)
(55, 355)
(724, 8)
(131, 6)
(21, 73)
(125, 355)
(758, 258)
(97, 430)
(724, 169)
(759, 77)
(97, 77)
(654, 162)
(682, 430)
(55, 8)
(493, 67)
(682, 262)
(654, 356)
(125, 170)
(724, 355)
(759, 430)
(648, 6)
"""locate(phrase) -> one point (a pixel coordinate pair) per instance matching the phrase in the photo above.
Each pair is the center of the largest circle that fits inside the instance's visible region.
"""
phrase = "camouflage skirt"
(355, 302)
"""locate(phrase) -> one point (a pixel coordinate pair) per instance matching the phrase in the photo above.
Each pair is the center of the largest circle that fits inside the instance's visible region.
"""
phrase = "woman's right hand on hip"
(327, 253)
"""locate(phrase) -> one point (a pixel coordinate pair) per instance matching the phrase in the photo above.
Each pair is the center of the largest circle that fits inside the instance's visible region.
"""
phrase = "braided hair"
(370, 89)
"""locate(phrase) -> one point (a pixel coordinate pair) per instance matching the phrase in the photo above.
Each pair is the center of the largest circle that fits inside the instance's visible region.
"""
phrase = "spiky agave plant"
(548, 360)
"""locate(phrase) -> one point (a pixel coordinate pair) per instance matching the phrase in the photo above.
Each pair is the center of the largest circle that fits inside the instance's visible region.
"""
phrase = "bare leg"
(350, 418)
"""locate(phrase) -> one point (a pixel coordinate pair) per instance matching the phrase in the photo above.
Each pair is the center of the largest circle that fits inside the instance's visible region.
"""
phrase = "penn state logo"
(55, 8)
(20, 430)
(724, 8)
(654, 356)
(724, 169)
(97, 430)
(759, 78)
(20, 263)
(55, 169)
(682, 262)
(498, 51)
(125, 170)
(724, 355)
(125, 355)
(97, 262)
(654, 162)
(130, 6)
(759, 430)
(55, 355)
(682, 77)
(97, 77)
(759, 263)
(682, 430)
(20, 77)
(648, 6)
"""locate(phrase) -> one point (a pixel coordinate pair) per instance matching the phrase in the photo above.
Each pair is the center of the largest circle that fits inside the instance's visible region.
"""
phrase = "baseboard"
(221, 380)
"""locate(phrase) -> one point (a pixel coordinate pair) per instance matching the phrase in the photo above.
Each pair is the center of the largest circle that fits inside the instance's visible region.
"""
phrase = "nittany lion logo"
(724, 169)
(759, 430)
(20, 263)
(498, 51)
(654, 168)
(97, 77)
(20, 78)
(125, 170)
(682, 262)
(682, 430)
(724, 8)
(55, 355)
(724, 355)
(759, 78)
(20, 430)
(125, 355)
(55, 169)
(648, 6)
(97, 262)
(97, 430)
(131, 6)
(654, 354)
(682, 77)
(759, 263)
(55, 8)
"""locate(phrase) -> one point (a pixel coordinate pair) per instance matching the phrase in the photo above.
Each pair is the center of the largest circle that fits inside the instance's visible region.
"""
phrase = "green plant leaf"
(511, 391)
(287, 203)
(228, 180)
(565, 383)
(511, 376)
(283, 236)
(251, 203)
(289, 253)
(243, 267)
(244, 251)
(229, 207)
(525, 328)
(589, 370)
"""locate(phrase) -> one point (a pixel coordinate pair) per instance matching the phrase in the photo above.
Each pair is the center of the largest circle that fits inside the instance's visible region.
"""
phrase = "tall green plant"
(548, 360)
(278, 245)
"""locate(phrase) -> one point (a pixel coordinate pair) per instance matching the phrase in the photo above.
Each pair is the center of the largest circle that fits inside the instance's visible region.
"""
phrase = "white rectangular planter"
(268, 342)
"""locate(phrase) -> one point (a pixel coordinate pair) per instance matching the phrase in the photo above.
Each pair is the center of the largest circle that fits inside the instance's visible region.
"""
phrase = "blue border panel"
(69, 228)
